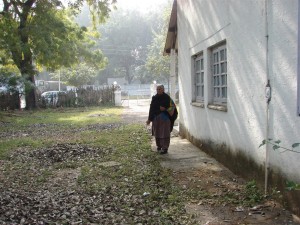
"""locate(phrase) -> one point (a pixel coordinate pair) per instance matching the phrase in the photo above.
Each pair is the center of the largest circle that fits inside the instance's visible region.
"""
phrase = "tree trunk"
(129, 78)
(30, 93)
(28, 73)
(26, 60)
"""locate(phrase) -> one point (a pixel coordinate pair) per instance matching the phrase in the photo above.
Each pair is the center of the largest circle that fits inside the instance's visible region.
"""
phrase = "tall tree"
(125, 38)
(40, 32)
(77, 76)
(157, 64)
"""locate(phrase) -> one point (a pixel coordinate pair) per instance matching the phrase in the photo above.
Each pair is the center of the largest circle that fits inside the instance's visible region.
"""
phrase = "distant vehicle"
(46, 85)
(52, 97)
(3, 89)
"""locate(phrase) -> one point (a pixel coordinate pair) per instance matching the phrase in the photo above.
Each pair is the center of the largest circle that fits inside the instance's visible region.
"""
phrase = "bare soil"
(223, 188)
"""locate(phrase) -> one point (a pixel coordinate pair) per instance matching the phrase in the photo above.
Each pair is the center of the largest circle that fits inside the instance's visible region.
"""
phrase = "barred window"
(199, 78)
(219, 74)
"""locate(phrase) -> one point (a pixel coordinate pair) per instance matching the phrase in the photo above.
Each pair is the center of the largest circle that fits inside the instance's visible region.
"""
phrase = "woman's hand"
(162, 108)
(148, 122)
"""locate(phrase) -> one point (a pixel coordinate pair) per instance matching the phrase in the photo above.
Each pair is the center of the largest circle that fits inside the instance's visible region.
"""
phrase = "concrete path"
(183, 156)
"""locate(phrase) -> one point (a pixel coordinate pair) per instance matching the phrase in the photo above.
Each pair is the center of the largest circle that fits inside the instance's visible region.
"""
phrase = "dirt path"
(136, 111)
(220, 188)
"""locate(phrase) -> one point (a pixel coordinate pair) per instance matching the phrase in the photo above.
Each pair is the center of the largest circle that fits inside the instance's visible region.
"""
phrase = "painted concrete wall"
(242, 24)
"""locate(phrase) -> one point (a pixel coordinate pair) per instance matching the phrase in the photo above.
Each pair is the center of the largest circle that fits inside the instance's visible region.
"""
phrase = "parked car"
(52, 97)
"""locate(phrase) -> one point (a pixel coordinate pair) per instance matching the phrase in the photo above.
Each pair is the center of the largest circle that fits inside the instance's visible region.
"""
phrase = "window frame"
(298, 67)
(199, 77)
(219, 74)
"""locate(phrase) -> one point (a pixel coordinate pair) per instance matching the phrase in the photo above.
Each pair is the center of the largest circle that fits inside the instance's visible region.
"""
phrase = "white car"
(51, 97)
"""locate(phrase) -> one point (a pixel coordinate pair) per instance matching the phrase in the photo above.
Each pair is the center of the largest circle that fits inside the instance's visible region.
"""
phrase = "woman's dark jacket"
(165, 101)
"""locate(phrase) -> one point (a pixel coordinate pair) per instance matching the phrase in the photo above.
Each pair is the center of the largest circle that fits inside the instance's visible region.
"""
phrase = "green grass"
(61, 116)
(53, 120)
(8, 145)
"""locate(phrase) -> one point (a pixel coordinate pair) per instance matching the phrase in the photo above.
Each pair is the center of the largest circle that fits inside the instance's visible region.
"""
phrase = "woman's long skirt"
(161, 131)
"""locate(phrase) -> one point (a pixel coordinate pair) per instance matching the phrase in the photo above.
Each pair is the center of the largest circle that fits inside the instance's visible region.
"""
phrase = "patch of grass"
(139, 172)
(60, 120)
(82, 118)
(44, 176)
(24, 175)
(6, 146)
(63, 116)
(252, 193)
(196, 193)
(67, 165)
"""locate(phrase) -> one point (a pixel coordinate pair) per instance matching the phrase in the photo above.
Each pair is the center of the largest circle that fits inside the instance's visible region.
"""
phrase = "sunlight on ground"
(95, 116)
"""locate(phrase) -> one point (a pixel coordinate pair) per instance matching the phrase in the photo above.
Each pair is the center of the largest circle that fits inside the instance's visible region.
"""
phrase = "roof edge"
(171, 39)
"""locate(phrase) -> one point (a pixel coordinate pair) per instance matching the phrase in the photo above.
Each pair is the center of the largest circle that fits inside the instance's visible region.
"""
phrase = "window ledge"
(198, 104)
(217, 107)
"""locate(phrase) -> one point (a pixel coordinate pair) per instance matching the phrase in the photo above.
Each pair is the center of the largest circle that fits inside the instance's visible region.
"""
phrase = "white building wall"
(204, 23)
(284, 122)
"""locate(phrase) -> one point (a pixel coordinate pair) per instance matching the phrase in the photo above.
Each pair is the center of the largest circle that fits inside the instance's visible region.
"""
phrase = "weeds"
(252, 194)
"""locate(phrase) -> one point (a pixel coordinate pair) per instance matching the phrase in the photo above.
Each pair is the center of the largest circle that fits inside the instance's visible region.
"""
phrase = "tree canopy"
(42, 33)
(124, 41)
(128, 39)
(157, 64)
(77, 76)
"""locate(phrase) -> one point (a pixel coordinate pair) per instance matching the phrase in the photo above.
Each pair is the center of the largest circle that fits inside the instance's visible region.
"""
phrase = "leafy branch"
(290, 185)
(276, 145)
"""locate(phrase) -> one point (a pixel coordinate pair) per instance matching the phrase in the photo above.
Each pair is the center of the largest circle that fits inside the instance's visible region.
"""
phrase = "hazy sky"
(141, 5)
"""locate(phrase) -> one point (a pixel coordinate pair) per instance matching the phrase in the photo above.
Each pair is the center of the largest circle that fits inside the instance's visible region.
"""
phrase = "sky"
(140, 5)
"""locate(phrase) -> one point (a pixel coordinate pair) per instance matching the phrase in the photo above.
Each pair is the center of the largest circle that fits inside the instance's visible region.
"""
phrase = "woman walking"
(162, 114)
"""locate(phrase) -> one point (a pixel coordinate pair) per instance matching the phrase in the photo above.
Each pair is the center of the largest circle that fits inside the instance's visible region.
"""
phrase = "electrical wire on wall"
(268, 97)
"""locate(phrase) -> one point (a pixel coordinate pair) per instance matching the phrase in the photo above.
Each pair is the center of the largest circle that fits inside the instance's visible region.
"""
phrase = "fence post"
(117, 92)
